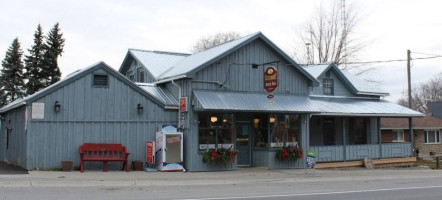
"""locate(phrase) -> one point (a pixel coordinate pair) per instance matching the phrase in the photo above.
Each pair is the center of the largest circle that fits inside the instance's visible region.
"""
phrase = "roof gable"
(191, 64)
(356, 85)
(75, 76)
(155, 62)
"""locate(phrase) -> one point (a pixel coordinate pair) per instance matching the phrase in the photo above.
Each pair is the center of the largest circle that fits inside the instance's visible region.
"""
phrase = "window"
(100, 80)
(398, 135)
(432, 137)
(215, 131)
(260, 131)
(141, 75)
(327, 85)
(284, 130)
(130, 75)
(358, 131)
(329, 131)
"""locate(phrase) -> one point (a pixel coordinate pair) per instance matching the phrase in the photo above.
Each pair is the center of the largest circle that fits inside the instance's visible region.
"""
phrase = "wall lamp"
(140, 108)
(57, 106)
(213, 119)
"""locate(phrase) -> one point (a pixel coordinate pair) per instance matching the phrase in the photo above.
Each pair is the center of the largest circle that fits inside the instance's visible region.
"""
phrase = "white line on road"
(312, 194)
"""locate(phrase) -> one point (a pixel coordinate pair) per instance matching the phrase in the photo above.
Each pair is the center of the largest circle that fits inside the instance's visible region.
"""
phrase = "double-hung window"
(327, 85)
(432, 137)
(398, 135)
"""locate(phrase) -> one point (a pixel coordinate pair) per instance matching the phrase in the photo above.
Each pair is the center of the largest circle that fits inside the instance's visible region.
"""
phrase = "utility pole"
(409, 77)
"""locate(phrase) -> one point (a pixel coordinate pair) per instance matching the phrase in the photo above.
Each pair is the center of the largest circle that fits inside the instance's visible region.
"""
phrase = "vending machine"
(169, 149)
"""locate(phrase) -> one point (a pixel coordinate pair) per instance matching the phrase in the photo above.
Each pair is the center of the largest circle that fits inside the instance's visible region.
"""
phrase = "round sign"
(270, 79)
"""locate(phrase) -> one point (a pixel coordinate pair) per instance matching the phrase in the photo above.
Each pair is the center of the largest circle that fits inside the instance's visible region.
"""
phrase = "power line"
(396, 60)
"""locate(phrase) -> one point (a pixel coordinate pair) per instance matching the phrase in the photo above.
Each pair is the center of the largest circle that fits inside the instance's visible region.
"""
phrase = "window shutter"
(100, 80)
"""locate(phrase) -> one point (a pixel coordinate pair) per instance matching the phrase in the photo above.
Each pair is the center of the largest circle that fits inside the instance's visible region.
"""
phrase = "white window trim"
(426, 136)
(398, 132)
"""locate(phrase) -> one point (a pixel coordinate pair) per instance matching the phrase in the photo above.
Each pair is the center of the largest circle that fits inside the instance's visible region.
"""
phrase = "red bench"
(104, 153)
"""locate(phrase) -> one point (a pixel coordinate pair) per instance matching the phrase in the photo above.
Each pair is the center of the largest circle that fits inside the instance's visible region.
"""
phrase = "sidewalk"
(242, 175)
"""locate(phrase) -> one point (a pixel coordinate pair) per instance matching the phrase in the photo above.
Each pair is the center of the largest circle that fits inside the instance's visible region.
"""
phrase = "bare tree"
(424, 92)
(210, 41)
(329, 36)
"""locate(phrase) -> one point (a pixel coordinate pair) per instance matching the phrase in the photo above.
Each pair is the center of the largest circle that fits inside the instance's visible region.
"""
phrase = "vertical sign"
(311, 159)
(38, 110)
(149, 152)
(270, 79)
(183, 104)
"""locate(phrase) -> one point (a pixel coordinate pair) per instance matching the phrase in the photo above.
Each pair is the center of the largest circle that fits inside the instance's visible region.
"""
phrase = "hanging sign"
(183, 104)
(270, 79)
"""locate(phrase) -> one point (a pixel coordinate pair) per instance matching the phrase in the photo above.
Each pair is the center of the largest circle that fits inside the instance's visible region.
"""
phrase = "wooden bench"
(104, 153)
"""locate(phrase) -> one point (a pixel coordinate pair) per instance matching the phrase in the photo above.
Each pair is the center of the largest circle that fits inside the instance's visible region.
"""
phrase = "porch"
(337, 138)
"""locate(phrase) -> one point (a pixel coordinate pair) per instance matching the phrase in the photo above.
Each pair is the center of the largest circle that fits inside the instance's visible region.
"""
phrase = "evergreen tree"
(34, 64)
(11, 77)
(53, 48)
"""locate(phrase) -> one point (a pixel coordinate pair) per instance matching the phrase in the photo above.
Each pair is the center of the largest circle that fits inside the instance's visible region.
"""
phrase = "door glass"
(243, 143)
(173, 148)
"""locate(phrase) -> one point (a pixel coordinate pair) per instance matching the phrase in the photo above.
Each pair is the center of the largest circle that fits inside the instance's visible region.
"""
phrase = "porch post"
(379, 137)
(344, 138)
(410, 124)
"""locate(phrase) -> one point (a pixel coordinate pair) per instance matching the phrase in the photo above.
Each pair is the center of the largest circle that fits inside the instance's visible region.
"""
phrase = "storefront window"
(260, 131)
(284, 130)
(215, 131)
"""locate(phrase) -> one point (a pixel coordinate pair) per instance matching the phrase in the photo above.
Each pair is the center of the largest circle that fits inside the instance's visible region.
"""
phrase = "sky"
(103, 30)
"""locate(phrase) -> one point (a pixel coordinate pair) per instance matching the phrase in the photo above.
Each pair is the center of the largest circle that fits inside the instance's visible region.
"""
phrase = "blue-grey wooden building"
(95, 105)
(227, 105)
(318, 108)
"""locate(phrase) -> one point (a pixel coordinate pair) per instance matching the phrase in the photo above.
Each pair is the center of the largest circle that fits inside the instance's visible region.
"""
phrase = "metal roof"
(159, 93)
(253, 102)
(360, 86)
(361, 107)
(157, 62)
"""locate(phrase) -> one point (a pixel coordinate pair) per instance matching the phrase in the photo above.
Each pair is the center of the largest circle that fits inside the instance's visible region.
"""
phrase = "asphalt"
(242, 175)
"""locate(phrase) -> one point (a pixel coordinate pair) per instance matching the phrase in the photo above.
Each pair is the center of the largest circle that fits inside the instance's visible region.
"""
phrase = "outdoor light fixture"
(213, 119)
(272, 119)
(225, 120)
(256, 120)
(57, 106)
(140, 108)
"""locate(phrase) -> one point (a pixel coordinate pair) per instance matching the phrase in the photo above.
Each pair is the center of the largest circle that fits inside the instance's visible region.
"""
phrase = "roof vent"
(100, 80)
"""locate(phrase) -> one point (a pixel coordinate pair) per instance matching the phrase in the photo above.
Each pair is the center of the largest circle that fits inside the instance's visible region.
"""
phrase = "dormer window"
(327, 85)
(141, 76)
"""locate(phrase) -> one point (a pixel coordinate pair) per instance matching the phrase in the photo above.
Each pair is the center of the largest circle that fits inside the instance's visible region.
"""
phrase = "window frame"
(436, 136)
(217, 129)
(394, 135)
(330, 85)
(141, 72)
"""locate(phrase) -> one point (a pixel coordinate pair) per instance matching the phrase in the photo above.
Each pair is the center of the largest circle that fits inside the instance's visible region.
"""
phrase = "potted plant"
(66, 165)
(220, 155)
(289, 153)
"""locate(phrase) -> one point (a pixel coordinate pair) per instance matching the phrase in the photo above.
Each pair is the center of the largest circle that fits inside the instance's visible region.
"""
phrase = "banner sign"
(311, 159)
(150, 152)
(183, 104)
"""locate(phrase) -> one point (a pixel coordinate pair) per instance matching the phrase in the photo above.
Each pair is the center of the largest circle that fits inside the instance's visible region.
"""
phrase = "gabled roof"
(75, 76)
(156, 62)
(193, 63)
(355, 84)
(426, 122)
(160, 93)
(435, 108)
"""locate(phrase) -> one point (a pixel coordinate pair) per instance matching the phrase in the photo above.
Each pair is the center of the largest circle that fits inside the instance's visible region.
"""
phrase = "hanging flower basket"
(289, 153)
(215, 156)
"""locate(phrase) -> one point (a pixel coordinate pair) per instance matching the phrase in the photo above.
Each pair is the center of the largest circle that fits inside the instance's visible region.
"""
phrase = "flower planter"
(66, 165)
(137, 165)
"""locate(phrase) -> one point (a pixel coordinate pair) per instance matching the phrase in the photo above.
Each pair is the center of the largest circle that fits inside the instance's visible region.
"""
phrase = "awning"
(252, 102)
(336, 106)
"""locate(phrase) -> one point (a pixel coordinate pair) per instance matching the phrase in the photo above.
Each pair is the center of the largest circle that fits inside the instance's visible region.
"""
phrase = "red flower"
(285, 154)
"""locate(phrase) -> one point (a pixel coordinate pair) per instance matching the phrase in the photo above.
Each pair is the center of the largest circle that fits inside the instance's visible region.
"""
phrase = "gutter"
(170, 79)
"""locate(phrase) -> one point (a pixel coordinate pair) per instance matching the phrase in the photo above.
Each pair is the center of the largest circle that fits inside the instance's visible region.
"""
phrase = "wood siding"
(339, 88)
(16, 151)
(93, 114)
(241, 76)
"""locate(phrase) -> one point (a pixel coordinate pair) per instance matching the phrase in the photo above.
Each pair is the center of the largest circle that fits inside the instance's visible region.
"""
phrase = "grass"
(431, 164)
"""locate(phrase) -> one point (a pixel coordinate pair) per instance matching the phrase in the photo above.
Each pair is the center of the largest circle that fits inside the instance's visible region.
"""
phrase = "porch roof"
(336, 106)
(252, 102)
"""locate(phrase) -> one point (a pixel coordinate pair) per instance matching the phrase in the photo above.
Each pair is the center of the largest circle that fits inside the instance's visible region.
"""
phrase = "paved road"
(427, 188)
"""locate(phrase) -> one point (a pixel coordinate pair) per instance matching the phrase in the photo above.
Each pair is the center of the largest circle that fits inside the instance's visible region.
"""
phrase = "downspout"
(179, 96)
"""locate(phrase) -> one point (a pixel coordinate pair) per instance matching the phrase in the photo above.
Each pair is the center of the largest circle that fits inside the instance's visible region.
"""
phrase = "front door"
(243, 143)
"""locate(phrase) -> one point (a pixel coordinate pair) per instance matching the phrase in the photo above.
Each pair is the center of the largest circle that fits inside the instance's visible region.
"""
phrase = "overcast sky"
(103, 30)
